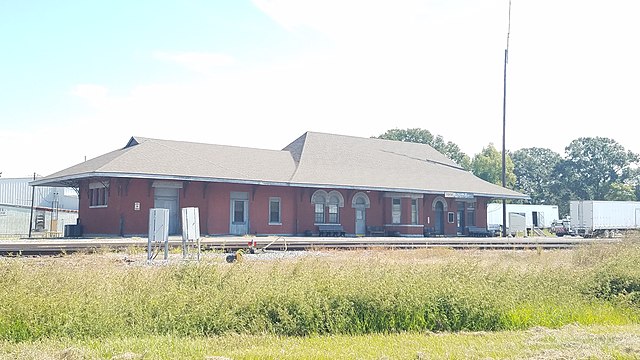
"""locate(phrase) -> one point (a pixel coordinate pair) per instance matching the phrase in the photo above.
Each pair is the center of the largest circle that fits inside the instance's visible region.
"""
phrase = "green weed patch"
(451, 292)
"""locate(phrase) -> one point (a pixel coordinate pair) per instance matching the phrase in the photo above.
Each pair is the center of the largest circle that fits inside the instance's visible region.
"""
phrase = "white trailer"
(604, 218)
(536, 216)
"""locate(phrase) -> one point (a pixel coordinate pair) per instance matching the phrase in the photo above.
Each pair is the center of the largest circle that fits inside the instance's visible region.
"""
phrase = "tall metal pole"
(504, 127)
(33, 194)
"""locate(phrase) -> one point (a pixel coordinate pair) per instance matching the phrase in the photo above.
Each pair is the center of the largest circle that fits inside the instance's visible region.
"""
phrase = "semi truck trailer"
(591, 218)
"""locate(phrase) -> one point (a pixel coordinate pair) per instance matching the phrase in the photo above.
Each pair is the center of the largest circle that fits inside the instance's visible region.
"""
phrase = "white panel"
(158, 225)
(518, 222)
(190, 223)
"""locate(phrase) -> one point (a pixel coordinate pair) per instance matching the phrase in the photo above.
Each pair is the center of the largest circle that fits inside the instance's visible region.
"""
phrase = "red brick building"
(401, 188)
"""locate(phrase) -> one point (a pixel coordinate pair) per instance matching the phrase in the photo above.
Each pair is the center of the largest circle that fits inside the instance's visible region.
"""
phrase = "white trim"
(360, 194)
(279, 200)
(398, 212)
(98, 206)
(59, 181)
(417, 220)
(445, 206)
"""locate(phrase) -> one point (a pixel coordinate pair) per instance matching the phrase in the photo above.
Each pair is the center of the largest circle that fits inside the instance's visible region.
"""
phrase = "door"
(460, 223)
(361, 223)
(439, 224)
(239, 221)
(167, 198)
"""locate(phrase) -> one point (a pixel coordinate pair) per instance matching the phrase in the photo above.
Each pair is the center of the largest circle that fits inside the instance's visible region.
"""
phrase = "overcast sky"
(79, 78)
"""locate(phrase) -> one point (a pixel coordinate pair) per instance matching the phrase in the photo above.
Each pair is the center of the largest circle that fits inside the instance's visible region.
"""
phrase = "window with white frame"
(319, 213)
(98, 194)
(332, 207)
(396, 210)
(414, 211)
(333, 213)
(327, 206)
(274, 211)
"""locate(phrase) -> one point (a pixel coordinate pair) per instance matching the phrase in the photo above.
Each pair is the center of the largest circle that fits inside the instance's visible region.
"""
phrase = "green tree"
(595, 168)
(422, 136)
(621, 192)
(487, 165)
(533, 168)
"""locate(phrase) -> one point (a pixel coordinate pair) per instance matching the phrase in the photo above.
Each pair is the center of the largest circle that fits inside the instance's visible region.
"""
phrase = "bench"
(429, 232)
(375, 230)
(476, 231)
(330, 230)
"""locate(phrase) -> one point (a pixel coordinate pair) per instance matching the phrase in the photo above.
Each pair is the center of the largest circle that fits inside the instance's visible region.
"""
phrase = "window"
(238, 211)
(333, 213)
(332, 206)
(396, 210)
(451, 216)
(274, 211)
(414, 211)
(98, 194)
(319, 213)
(327, 206)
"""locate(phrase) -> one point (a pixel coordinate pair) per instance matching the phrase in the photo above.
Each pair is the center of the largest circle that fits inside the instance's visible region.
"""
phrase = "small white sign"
(458, 195)
(136, 206)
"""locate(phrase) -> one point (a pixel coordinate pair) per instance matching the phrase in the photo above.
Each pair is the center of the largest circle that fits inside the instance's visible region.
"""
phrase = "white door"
(239, 219)
(361, 223)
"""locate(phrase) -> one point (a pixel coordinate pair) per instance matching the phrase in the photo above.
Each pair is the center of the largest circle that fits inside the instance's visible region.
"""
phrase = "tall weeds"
(316, 296)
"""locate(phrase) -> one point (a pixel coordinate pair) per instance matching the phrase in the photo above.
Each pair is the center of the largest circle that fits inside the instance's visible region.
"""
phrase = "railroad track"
(34, 247)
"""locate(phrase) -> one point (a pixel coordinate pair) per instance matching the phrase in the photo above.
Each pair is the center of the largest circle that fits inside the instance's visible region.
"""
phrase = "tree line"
(592, 168)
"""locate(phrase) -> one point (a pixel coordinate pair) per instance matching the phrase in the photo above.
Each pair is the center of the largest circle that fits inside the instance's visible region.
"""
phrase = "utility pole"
(504, 127)
(33, 194)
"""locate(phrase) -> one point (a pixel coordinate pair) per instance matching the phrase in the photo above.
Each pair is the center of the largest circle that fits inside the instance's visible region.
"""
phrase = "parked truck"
(590, 218)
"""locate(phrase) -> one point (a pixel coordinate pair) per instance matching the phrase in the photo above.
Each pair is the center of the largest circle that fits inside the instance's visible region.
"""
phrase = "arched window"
(441, 200)
(326, 206)
(360, 200)
(319, 199)
(332, 207)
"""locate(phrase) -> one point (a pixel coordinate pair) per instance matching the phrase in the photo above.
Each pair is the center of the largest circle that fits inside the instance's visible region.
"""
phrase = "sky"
(79, 78)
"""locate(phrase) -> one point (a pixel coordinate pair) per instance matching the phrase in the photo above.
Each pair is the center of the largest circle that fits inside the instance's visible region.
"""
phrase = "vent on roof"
(132, 142)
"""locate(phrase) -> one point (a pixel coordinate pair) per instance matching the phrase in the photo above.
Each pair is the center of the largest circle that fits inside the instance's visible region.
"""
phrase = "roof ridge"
(296, 148)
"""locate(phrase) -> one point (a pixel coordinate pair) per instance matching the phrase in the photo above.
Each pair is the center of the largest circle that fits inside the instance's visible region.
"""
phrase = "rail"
(61, 246)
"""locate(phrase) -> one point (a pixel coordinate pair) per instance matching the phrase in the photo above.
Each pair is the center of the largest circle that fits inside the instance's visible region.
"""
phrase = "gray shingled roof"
(314, 159)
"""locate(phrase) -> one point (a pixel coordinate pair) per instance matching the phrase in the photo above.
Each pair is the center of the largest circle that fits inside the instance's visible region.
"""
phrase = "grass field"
(441, 303)
(568, 342)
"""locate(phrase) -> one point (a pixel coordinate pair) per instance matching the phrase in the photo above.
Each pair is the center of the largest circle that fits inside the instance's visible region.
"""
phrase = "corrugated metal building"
(52, 207)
